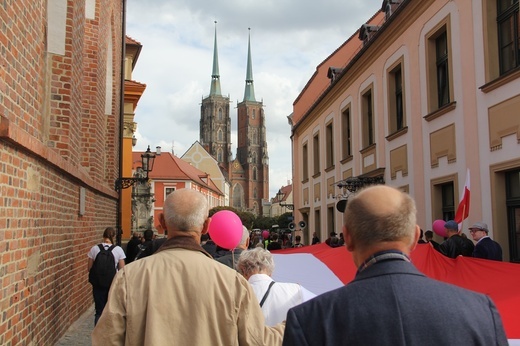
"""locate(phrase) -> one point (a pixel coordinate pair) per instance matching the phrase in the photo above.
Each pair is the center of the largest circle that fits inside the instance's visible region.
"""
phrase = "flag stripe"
(463, 208)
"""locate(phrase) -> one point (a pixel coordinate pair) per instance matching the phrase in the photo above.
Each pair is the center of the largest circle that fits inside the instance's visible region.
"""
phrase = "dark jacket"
(489, 249)
(231, 258)
(274, 245)
(144, 250)
(435, 245)
(456, 245)
(210, 247)
(132, 249)
(385, 305)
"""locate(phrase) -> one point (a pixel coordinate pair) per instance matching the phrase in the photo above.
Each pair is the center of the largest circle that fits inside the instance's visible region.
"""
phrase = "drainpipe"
(121, 119)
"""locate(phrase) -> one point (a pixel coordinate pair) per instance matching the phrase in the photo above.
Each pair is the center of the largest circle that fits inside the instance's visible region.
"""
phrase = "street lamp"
(147, 161)
(279, 197)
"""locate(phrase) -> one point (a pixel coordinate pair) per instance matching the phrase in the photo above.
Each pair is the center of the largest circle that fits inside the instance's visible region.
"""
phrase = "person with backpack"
(103, 262)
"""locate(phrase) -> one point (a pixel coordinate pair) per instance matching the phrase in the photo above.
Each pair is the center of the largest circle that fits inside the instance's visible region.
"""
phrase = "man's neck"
(362, 255)
(192, 234)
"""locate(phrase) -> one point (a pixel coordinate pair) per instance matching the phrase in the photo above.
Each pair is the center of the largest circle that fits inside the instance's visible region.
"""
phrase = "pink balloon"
(438, 228)
(225, 228)
(265, 234)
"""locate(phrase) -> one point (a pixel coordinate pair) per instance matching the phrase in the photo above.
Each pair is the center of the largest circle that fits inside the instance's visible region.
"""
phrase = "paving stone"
(79, 332)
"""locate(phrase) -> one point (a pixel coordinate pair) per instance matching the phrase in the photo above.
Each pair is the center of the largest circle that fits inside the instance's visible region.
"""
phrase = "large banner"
(320, 268)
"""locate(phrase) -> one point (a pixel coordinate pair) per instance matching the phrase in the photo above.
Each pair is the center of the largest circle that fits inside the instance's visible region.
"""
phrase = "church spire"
(249, 93)
(215, 77)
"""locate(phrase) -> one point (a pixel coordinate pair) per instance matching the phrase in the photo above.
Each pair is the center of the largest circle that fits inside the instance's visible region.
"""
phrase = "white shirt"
(281, 298)
(118, 252)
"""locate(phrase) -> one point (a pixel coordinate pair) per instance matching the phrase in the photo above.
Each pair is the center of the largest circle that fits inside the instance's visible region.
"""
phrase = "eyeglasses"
(475, 230)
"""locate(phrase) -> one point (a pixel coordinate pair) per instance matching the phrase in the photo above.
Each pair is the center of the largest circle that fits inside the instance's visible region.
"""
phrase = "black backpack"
(104, 268)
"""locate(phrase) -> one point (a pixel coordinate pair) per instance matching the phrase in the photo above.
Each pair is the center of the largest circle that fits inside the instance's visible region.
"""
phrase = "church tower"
(250, 171)
(215, 122)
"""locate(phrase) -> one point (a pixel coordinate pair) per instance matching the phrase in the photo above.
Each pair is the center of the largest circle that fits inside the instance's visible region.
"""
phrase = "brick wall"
(55, 139)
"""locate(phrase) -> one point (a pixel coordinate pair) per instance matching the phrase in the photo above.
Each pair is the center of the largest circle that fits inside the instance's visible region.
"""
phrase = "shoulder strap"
(111, 248)
(266, 293)
(101, 247)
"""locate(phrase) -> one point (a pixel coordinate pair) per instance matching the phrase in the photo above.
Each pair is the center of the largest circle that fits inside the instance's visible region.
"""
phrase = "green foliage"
(213, 210)
(264, 222)
(251, 221)
(283, 220)
(246, 217)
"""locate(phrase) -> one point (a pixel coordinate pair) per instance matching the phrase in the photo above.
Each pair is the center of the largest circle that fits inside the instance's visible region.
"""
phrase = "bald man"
(180, 295)
(385, 304)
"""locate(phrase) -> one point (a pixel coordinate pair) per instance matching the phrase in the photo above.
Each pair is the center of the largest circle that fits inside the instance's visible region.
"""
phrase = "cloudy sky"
(289, 38)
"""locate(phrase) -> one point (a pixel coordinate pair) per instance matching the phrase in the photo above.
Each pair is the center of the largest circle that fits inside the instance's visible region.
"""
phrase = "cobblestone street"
(79, 332)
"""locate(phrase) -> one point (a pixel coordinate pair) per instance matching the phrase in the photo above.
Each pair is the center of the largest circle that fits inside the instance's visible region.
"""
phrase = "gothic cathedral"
(248, 173)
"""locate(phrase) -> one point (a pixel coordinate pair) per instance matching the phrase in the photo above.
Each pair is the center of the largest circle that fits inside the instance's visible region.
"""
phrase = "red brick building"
(60, 116)
(169, 174)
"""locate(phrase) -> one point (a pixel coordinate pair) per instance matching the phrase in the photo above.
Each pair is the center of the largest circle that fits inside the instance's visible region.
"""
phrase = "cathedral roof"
(215, 74)
(249, 93)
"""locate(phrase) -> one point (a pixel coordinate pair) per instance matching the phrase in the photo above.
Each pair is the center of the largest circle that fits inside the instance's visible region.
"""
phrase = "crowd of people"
(456, 243)
(191, 291)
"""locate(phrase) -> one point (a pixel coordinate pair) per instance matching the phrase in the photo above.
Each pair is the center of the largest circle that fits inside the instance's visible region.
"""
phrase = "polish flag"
(320, 268)
(463, 208)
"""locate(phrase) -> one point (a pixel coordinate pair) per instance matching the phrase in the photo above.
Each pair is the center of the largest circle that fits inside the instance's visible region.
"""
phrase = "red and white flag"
(463, 208)
(320, 268)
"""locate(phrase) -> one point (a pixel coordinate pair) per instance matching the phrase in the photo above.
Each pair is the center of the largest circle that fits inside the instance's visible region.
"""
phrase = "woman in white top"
(275, 298)
(101, 293)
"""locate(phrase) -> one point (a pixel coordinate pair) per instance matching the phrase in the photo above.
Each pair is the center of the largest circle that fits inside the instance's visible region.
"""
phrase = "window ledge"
(304, 181)
(397, 133)
(367, 149)
(316, 175)
(441, 111)
(502, 80)
(330, 168)
(347, 159)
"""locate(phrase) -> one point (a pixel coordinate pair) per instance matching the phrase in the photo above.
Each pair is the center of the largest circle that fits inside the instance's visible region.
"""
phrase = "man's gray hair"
(254, 261)
(245, 237)
(185, 210)
(368, 225)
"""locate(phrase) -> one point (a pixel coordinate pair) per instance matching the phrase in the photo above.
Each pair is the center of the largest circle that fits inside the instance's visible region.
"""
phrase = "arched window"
(220, 114)
(219, 134)
(254, 173)
(255, 193)
(254, 113)
(219, 155)
(238, 196)
(254, 158)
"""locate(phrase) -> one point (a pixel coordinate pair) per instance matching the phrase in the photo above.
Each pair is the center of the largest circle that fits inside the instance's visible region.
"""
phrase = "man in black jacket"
(455, 245)
(132, 247)
(146, 248)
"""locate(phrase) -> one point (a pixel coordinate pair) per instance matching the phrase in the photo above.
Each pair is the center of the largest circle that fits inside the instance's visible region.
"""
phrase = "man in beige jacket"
(180, 295)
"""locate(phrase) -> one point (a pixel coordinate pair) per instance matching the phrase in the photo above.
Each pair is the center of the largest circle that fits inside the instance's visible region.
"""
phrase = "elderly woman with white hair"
(275, 298)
